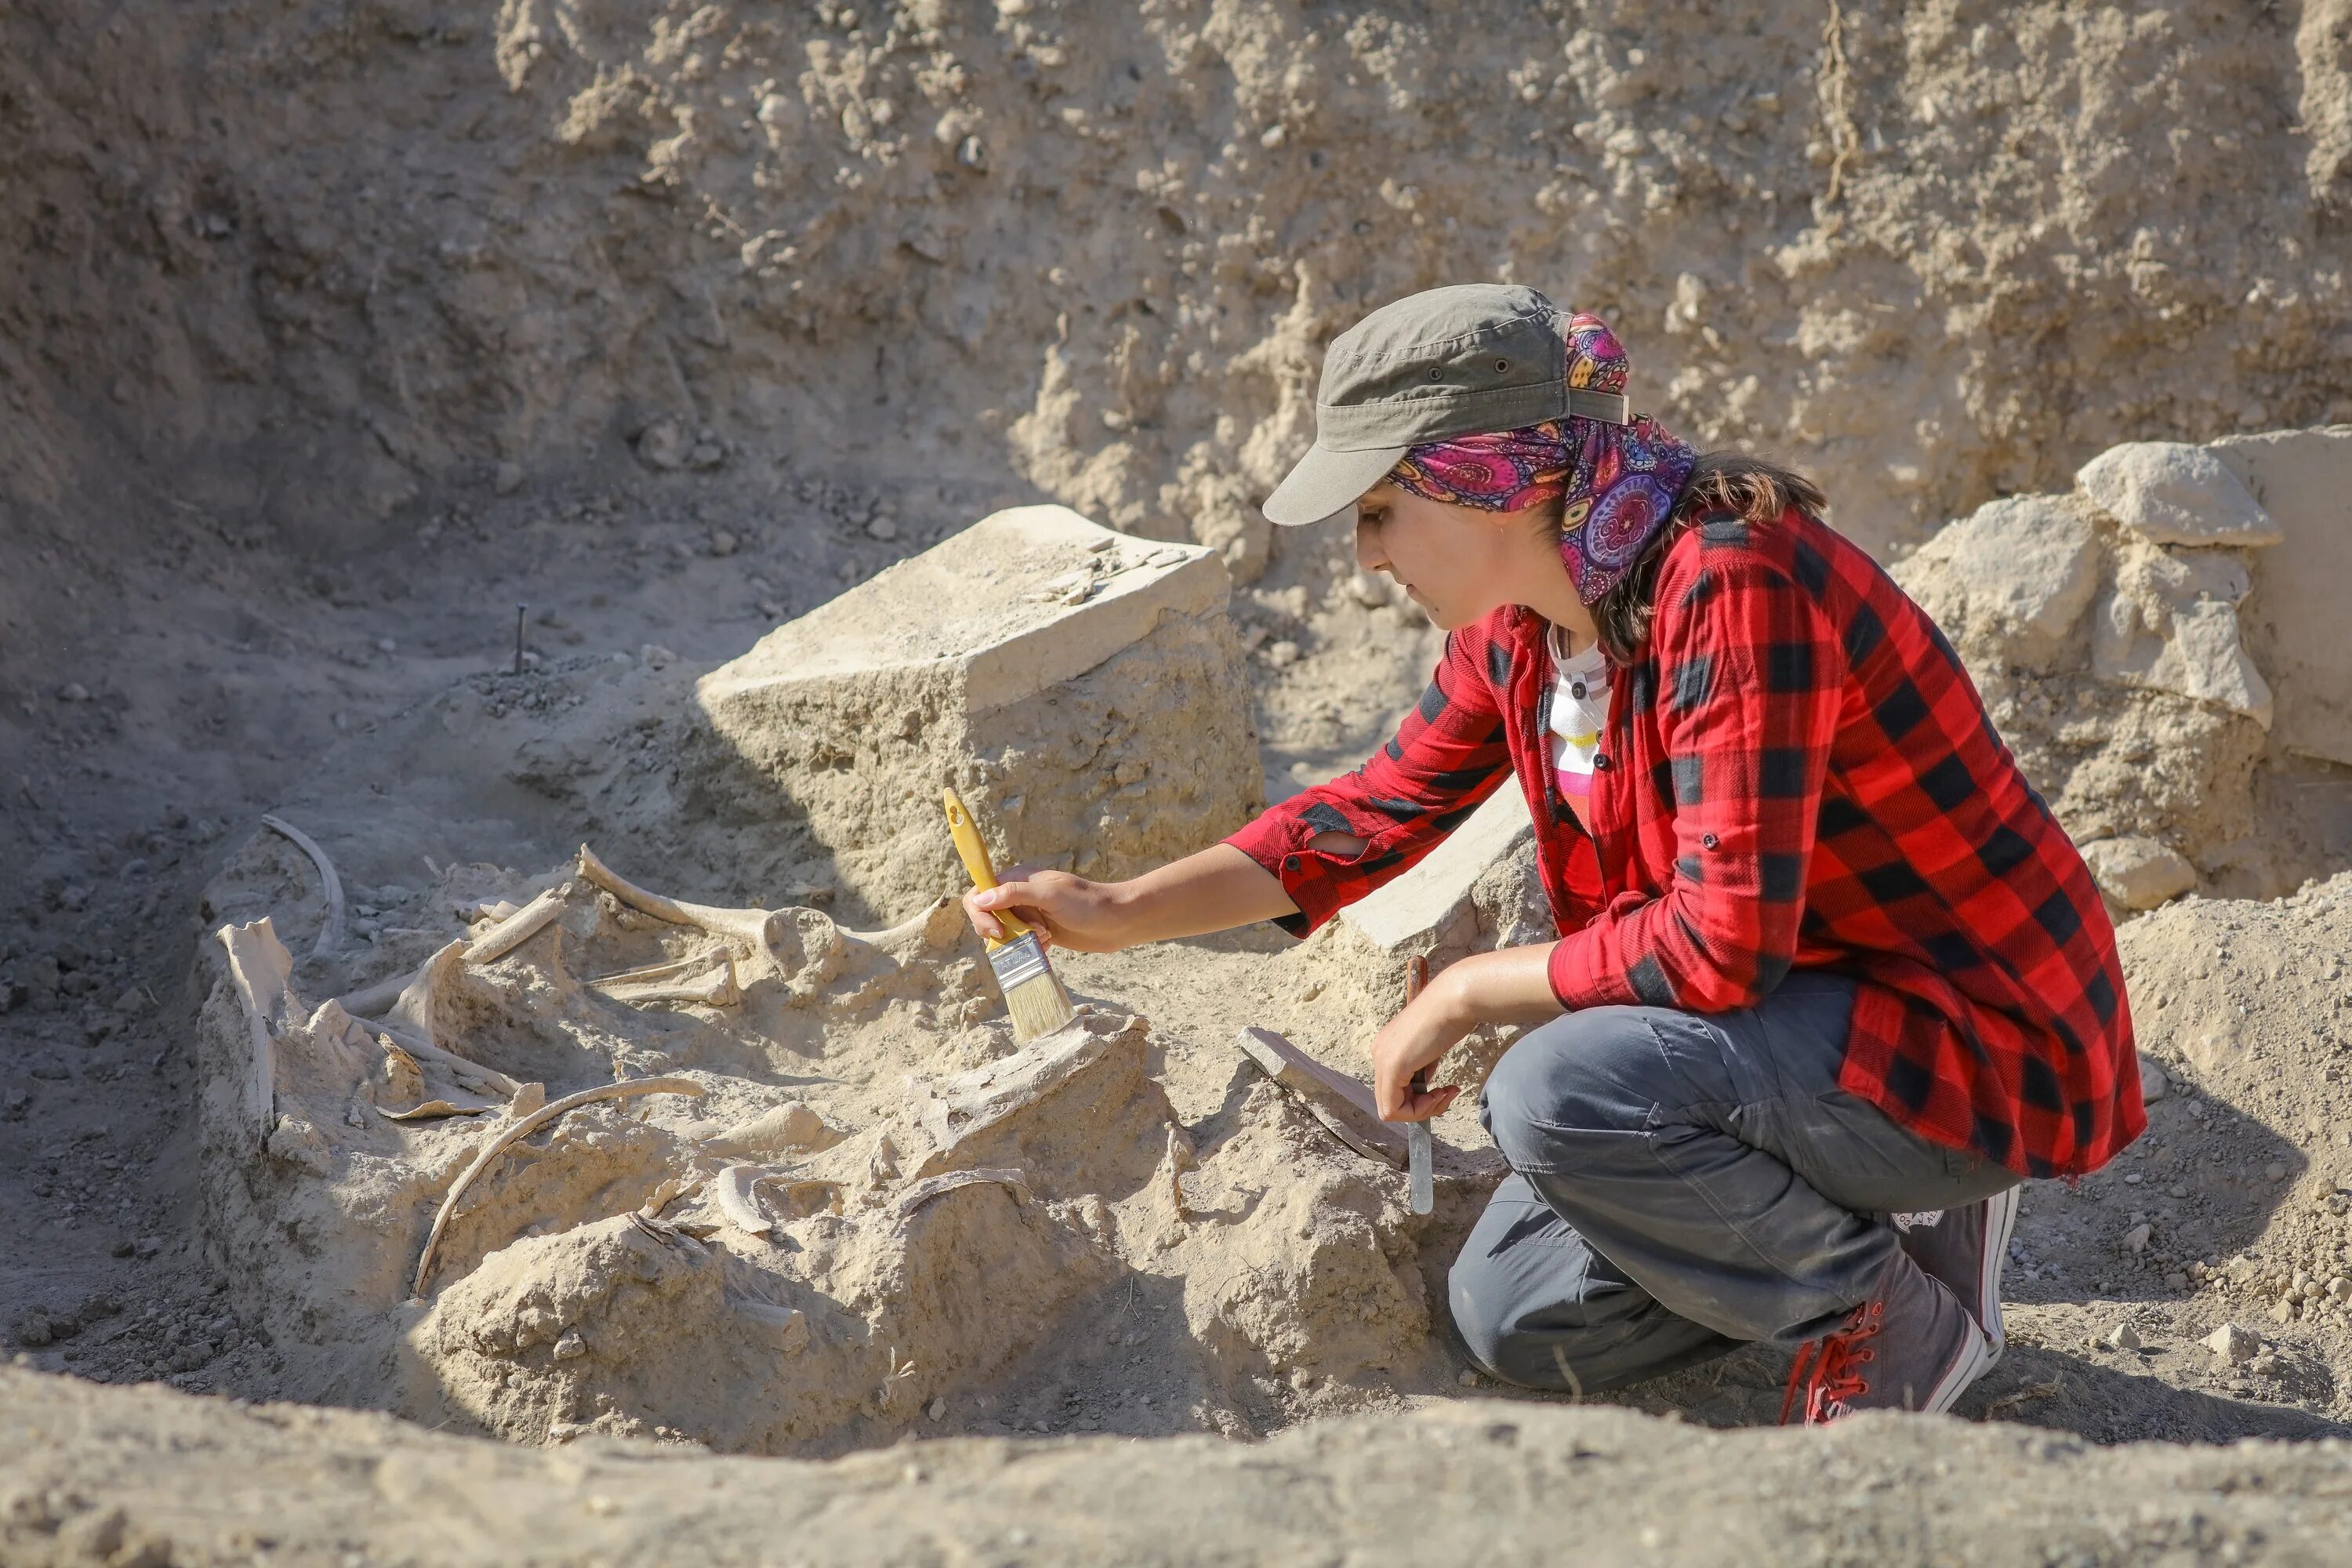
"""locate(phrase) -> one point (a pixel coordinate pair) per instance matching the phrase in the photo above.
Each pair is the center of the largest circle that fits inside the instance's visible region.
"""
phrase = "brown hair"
(1757, 491)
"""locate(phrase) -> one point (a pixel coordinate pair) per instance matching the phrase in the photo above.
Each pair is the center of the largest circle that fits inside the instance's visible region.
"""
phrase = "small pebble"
(1468, 1379)
(2122, 1337)
(2275, 1171)
(937, 1410)
(2136, 1239)
(385, 645)
(73, 691)
(884, 528)
(1282, 655)
(723, 542)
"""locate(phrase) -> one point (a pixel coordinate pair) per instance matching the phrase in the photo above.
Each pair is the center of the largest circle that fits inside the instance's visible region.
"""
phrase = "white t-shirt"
(1580, 707)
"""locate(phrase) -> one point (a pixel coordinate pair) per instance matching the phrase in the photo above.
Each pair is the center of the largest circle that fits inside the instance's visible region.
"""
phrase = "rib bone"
(331, 934)
(524, 1129)
(759, 928)
(660, 982)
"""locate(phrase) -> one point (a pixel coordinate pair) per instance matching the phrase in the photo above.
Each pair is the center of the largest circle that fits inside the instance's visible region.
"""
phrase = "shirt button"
(1290, 863)
(1601, 761)
(1710, 840)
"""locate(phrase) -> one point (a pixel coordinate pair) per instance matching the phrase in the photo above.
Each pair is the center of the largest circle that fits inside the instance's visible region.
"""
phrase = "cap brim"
(1326, 482)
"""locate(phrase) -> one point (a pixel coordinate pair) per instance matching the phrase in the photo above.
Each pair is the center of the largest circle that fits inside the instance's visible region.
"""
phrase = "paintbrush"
(1033, 996)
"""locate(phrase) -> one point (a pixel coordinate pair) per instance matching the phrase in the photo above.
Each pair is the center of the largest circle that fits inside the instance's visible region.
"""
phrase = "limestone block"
(2017, 573)
(2171, 623)
(2172, 493)
(2296, 618)
(1082, 690)
(1476, 891)
(2138, 873)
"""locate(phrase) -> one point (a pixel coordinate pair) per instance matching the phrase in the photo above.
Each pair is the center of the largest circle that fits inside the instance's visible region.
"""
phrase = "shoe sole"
(2001, 1218)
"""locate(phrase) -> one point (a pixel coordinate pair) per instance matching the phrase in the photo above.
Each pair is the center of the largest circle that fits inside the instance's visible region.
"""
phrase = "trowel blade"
(1422, 1177)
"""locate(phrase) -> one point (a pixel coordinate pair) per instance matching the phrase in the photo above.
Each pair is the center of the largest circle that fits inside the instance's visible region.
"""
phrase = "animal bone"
(1181, 1158)
(954, 1109)
(331, 934)
(759, 928)
(780, 1131)
(261, 969)
(412, 1023)
(733, 1190)
(667, 1191)
(931, 1187)
(937, 927)
(431, 1111)
(640, 987)
(517, 928)
(524, 1128)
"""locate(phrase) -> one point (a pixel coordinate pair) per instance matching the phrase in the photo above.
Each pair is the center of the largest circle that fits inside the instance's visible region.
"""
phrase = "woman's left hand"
(1415, 1039)
(1510, 985)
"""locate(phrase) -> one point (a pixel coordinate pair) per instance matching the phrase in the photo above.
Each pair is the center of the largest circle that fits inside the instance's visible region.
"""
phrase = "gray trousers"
(1681, 1183)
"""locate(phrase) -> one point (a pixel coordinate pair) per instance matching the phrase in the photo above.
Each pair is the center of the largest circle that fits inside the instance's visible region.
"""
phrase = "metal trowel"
(1420, 1173)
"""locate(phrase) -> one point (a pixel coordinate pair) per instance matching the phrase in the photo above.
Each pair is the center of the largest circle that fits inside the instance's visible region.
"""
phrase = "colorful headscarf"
(1616, 483)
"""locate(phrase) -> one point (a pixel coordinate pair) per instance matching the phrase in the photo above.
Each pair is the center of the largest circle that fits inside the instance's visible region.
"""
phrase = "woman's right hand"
(1063, 909)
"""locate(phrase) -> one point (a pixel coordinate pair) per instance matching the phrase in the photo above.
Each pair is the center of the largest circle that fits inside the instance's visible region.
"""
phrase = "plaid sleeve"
(1445, 759)
(1748, 685)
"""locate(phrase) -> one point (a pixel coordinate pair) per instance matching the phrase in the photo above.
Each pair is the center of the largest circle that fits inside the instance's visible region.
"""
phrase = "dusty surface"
(104, 1474)
(330, 336)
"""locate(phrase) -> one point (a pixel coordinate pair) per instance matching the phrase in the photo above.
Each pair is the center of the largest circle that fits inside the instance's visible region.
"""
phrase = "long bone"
(670, 983)
(761, 928)
(407, 1016)
(524, 1129)
(331, 934)
(517, 928)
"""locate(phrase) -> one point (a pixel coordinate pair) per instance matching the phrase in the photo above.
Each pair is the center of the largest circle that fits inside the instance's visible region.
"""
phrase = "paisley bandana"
(1616, 483)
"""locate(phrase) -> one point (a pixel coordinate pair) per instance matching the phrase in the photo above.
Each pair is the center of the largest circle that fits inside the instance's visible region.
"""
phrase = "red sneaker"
(1912, 1346)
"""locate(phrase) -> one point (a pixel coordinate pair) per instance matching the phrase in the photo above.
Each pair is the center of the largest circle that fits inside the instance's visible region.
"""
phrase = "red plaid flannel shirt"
(1797, 773)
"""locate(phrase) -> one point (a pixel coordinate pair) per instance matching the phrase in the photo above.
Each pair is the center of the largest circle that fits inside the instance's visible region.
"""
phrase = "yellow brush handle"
(974, 855)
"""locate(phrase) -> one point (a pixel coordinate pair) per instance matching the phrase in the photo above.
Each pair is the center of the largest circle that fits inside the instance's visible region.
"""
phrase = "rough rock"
(2296, 613)
(2173, 493)
(2021, 570)
(1083, 691)
(2233, 1344)
(2171, 623)
(2138, 873)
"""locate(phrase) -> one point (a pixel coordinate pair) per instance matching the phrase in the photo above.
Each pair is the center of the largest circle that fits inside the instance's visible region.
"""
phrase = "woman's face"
(1457, 562)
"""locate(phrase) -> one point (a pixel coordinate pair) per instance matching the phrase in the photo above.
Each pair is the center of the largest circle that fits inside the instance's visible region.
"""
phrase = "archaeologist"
(1831, 979)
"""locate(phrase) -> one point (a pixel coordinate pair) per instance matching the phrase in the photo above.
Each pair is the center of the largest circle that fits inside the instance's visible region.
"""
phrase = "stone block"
(2019, 571)
(2172, 493)
(2138, 873)
(1082, 689)
(1475, 891)
(2296, 618)
(2170, 623)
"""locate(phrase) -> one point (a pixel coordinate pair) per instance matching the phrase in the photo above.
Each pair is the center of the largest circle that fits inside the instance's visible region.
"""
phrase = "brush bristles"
(1033, 996)
(1038, 1006)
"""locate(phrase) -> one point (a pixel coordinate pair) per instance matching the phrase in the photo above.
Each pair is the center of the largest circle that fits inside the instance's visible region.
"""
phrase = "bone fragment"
(331, 934)
(780, 1131)
(928, 929)
(516, 929)
(715, 988)
(501, 909)
(931, 1187)
(1342, 1104)
(402, 1077)
(261, 968)
(1181, 1158)
(431, 1111)
(953, 1109)
(735, 1201)
(789, 1322)
(369, 1000)
(759, 928)
(412, 1023)
(524, 1129)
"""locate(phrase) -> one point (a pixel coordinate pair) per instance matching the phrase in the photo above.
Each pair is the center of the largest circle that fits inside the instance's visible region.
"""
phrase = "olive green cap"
(1460, 361)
